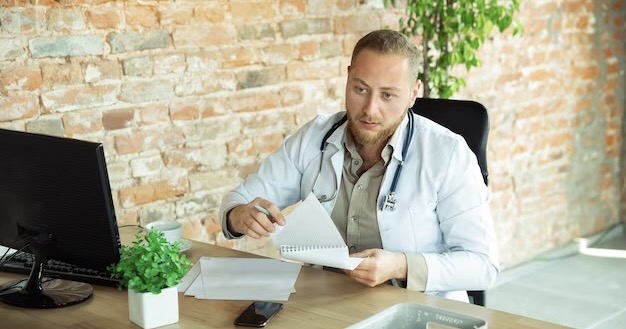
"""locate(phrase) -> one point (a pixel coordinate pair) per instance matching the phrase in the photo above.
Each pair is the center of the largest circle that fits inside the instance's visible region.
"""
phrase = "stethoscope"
(390, 199)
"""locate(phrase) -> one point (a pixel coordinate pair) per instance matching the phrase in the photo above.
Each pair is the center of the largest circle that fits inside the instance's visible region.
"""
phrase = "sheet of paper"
(309, 227)
(331, 257)
(228, 278)
(189, 278)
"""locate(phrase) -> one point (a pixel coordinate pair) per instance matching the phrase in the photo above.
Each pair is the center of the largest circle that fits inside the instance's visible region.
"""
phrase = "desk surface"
(323, 300)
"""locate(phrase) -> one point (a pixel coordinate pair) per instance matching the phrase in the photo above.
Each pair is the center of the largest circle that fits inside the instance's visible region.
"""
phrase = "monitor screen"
(55, 200)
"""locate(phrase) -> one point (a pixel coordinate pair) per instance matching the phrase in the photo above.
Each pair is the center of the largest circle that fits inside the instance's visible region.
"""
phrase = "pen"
(263, 210)
(277, 228)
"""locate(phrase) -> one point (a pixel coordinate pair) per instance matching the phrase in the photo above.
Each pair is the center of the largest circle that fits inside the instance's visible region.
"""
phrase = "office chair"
(470, 120)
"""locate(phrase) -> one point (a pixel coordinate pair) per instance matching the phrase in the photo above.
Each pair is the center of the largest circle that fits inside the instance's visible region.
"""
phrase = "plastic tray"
(415, 316)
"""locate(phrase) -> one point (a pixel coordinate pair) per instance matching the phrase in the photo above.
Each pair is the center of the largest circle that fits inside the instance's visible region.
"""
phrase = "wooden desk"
(323, 300)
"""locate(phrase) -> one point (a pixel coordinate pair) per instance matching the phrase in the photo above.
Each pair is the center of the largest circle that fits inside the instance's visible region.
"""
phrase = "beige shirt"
(354, 213)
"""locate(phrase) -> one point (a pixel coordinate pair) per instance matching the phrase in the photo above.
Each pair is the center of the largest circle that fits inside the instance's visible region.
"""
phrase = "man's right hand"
(246, 219)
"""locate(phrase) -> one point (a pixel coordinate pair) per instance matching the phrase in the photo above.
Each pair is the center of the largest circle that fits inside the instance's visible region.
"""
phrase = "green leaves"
(452, 31)
(150, 264)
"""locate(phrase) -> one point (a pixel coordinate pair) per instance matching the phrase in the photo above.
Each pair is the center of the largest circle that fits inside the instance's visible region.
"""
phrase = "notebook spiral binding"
(286, 248)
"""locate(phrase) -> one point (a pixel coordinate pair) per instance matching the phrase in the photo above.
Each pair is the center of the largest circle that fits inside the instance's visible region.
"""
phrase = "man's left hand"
(378, 266)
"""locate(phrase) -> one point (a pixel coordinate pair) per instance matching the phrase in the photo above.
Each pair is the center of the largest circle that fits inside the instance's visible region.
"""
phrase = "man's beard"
(364, 137)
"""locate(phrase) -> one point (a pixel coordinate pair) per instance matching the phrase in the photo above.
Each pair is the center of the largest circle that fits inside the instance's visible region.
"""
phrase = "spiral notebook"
(310, 236)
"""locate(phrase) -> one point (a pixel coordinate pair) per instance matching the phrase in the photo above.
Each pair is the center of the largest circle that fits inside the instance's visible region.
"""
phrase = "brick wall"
(189, 96)
(556, 98)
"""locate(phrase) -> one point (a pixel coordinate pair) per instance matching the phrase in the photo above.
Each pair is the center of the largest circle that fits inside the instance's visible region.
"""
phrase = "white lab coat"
(441, 212)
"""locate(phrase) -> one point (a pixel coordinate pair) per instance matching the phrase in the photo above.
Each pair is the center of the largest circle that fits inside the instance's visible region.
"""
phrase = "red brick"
(292, 7)
(582, 22)
(214, 106)
(241, 148)
(250, 11)
(251, 102)
(577, 6)
(174, 15)
(211, 12)
(18, 107)
(64, 19)
(291, 96)
(179, 159)
(82, 123)
(356, 23)
(118, 119)
(82, 97)
(103, 17)
(153, 114)
(201, 85)
(308, 50)
(20, 78)
(169, 64)
(102, 70)
(513, 77)
(269, 143)
(126, 217)
(21, 20)
(129, 143)
(325, 69)
(540, 75)
(278, 54)
(151, 192)
(320, 8)
(138, 91)
(160, 138)
(185, 110)
(55, 75)
(352, 4)
(141, 16)
(237, 57)
(203, 35)
(149, 138)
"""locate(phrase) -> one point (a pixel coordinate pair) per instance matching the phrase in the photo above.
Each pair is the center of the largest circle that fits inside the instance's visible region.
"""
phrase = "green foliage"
(150, 264)
(452, 31)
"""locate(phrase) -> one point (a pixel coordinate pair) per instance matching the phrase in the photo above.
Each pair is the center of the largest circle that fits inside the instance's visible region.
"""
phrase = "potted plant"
(451, 32)
(151, 268)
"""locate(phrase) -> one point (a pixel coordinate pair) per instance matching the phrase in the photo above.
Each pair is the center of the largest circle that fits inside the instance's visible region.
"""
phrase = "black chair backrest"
(470, 120)
(466, 118)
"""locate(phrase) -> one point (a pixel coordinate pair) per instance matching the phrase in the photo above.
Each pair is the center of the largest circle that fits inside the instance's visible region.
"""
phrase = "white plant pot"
(149, 310)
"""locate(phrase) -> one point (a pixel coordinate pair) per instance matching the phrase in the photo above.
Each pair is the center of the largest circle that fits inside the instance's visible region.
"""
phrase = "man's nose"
(371, 104)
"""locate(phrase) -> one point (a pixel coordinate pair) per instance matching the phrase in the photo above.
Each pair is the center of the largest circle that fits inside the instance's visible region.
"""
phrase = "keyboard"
(23, 262)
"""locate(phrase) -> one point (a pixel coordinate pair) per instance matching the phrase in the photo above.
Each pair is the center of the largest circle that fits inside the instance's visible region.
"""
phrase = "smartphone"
(258, 314)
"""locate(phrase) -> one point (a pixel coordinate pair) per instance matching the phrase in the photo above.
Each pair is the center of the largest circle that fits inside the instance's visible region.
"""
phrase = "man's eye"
(387, 95)
(360, 90)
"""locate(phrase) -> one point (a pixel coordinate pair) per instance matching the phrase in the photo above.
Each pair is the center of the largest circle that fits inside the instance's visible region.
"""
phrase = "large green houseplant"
(151, 268)
(451, 32)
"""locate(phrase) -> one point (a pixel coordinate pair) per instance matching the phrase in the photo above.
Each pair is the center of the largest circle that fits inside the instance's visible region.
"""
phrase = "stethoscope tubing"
(396, 176)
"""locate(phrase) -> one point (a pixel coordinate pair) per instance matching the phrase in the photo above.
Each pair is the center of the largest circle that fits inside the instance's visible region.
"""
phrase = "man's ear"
(416, 92)
(420, 88)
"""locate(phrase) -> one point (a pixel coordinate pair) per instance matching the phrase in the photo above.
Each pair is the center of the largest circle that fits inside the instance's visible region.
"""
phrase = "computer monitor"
(55, 202)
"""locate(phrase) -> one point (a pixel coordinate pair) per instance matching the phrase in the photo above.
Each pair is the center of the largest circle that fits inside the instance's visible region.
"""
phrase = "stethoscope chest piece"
(390, 201)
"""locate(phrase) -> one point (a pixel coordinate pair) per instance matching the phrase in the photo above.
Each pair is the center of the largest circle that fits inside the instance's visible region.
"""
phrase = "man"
(439, 238)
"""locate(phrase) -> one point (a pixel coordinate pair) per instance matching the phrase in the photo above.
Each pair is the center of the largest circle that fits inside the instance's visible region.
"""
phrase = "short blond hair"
(389, 42)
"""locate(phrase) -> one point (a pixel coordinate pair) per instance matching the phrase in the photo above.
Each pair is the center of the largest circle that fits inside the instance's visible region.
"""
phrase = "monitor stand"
(43, 292)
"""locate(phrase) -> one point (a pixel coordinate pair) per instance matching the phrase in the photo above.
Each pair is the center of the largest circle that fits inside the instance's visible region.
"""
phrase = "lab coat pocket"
(425, 225)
